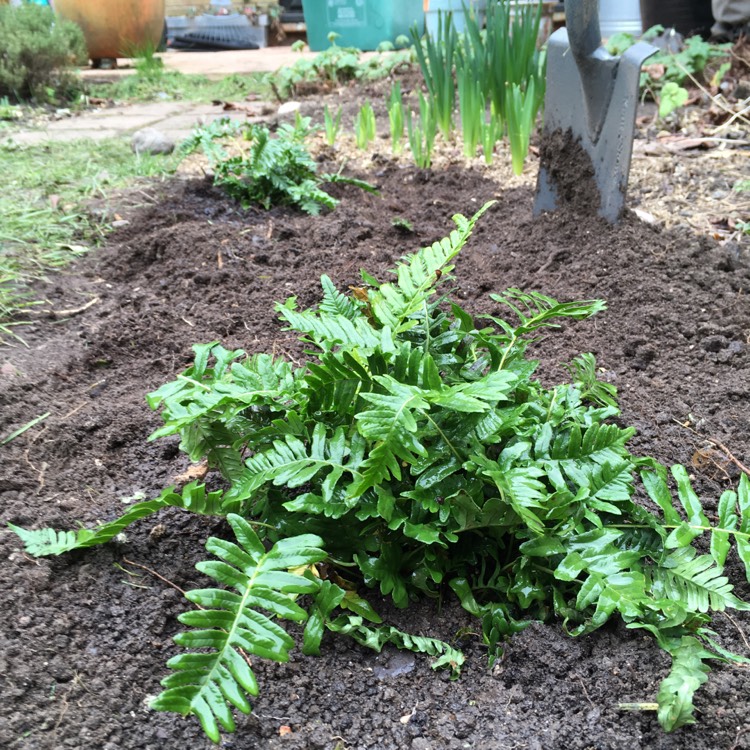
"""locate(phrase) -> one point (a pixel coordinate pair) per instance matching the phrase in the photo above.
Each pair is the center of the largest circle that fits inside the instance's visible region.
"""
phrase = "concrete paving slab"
(38, 137)
(120, 123)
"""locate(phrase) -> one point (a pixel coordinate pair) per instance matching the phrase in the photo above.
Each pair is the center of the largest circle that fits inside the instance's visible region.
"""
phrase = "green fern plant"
(416, 451)
(268, 171)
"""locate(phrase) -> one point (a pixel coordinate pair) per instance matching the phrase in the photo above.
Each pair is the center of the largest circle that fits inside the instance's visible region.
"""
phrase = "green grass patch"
(156, 83)
(45, 222)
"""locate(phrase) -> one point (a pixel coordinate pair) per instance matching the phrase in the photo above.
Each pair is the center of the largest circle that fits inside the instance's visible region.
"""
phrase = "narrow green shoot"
(521, 112)
(17, 433)
(436, 62)
(422, 133)
(332, 125)
(396, 117)
(491, 130)
(364, 127)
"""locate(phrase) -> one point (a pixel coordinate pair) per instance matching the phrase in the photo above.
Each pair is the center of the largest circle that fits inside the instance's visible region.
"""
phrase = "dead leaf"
(655, 70)
(284, 730)
(196, 471)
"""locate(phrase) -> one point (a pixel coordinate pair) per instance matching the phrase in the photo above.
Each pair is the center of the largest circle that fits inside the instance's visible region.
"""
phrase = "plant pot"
(457, 7)
(116, 29)
(619, 17)
(685, 16)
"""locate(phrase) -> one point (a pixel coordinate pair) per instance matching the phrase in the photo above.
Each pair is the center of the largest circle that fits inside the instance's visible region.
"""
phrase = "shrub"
(36, 52)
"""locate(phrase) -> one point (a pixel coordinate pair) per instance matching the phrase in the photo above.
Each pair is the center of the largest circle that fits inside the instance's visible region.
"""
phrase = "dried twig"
(74, 310)
(157, 575)
(729, 455)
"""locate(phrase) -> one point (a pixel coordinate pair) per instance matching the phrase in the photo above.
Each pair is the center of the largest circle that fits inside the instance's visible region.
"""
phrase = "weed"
(335, 65)
(402, 225)
(667, 72)
(415, 453)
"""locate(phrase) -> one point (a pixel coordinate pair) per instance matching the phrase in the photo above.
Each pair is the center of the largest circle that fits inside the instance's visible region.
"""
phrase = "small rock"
(645, 216)
(120, 223)
(151, 141)
(288, 107)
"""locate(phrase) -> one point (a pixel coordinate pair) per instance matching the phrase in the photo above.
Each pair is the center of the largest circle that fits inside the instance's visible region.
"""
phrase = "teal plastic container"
(360, 23)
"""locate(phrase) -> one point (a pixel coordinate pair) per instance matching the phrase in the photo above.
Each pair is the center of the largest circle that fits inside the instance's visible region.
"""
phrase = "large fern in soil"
(415, 453)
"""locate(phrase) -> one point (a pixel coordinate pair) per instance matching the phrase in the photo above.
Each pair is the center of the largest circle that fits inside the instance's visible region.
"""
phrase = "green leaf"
(207, 685)
(672, 97)
(375, 637)
(45, 542)
(688, 673)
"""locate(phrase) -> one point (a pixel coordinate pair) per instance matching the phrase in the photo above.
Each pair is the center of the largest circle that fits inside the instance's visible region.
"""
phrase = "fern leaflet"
(45, 542)
(228, 626)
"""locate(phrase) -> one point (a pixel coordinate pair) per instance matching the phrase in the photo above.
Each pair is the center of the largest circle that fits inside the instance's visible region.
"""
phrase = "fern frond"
(336, 303)
(418, 275)
(535, 310)
(728, 526)
(334, 382)
(228, 625)
(45, 542)
(375, 637)
(329, 331)
(688, 673)
(696, 580)
(391, 427)
(292, 462)
(583, 372)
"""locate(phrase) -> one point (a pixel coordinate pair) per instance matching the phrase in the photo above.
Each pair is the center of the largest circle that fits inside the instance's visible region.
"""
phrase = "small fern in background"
(268, 171)
(415, 453)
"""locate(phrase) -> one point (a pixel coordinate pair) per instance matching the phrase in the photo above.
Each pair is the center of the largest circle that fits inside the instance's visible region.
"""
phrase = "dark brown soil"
(84, 638)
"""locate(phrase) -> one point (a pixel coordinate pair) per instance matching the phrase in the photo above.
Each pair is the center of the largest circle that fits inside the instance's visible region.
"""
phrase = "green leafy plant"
(396, 117)
(521, 109)
(334, 66)
(38, 53)
(422, 133)
(415, 452)
(364, 126)
(268, 171)
(672, 97)
(667, 72)
(436, 64)
(332, 124)
(497, 68)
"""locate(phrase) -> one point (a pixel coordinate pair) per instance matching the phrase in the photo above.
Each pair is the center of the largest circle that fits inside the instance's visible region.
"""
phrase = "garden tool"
(591, 100)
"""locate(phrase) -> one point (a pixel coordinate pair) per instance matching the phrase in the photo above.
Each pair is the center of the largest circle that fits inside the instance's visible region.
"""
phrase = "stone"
(151, 141)
(288, 107)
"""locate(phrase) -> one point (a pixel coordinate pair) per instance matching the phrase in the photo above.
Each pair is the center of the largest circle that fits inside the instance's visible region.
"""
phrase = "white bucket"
(432, 7)
(620, 17)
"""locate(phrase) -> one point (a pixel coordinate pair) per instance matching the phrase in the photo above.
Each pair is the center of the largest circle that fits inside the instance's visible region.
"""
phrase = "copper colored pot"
(115, 28)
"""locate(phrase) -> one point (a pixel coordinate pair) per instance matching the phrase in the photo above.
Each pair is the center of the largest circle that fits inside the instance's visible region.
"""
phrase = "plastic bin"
(360, 23)
(456, 7)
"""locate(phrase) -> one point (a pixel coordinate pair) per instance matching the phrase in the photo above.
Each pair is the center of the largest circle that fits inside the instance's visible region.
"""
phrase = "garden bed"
(85, 636)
